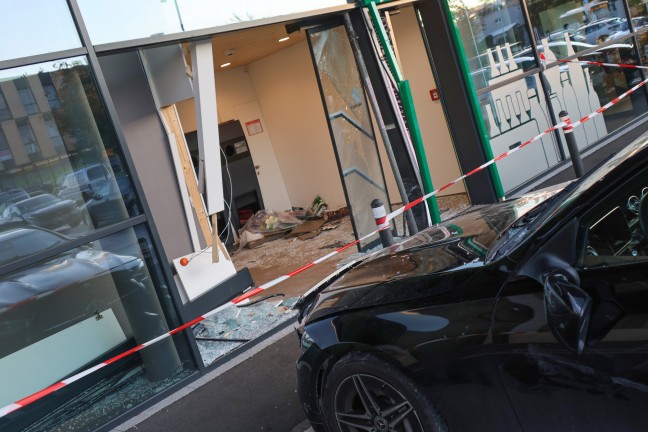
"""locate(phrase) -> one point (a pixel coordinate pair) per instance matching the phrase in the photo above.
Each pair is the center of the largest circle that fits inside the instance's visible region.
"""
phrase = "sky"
(41, 26)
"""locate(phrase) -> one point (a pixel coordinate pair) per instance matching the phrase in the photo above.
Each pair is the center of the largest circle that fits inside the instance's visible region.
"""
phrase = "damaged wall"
(148, 145)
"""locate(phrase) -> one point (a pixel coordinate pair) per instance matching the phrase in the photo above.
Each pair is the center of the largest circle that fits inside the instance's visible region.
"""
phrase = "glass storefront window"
(585, 23)
(121, 20)
(513, 114)
(518, 111)
(31, 27)
(60, 169)
(581, 90)
(494, 37)
(76, 309)
(608, 83)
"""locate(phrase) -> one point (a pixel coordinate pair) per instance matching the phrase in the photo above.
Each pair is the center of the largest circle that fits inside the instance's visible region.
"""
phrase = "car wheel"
(363, 393)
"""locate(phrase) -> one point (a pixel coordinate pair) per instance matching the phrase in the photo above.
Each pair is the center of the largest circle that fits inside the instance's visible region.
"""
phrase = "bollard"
(384, 229)
(568, 129)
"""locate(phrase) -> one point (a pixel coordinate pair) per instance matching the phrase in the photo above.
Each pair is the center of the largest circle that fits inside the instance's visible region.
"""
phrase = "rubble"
(223, 332)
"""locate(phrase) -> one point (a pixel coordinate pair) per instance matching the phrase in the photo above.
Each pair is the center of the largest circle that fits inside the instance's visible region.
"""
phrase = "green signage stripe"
(481, 126)
(417, 141)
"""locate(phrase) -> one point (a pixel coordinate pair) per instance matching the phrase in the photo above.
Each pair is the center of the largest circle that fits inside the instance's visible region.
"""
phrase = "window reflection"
(587, 22)
(485, 29)
(517, 111)
(59, 167)
(513, 114)
(609, 83)
(76, 309)
(642, 45)
(34, 27)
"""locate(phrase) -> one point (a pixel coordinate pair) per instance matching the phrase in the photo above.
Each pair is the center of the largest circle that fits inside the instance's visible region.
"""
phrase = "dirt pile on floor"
(281, 256)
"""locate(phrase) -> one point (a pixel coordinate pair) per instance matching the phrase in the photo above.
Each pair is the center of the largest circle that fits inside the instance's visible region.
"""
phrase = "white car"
(598, 30)
(559, 35)
(621, 29)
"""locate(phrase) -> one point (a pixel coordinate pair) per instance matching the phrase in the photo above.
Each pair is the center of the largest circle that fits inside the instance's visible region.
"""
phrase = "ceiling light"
(225, 64)
(284, 39)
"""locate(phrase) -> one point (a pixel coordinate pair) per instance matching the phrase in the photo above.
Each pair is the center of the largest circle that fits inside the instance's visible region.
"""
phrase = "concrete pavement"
(256, 391)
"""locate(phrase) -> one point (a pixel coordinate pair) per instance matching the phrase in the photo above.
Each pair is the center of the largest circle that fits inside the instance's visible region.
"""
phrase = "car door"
(604, 387)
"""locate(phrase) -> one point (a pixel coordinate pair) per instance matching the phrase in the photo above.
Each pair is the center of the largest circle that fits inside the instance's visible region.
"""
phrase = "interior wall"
(438, 145)
(289, 97)
(237, 100)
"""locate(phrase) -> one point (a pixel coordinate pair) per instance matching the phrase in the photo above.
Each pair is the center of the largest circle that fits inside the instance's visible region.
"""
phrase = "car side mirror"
(568, 309)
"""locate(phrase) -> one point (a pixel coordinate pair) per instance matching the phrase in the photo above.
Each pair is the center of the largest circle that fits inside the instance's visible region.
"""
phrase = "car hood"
(75, 268)
(431, 262)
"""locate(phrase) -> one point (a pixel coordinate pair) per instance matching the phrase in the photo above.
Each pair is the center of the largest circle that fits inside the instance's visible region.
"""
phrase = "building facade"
(92, 208)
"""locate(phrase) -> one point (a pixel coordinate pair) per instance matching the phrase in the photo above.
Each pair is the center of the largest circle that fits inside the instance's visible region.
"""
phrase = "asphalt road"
(259, 394)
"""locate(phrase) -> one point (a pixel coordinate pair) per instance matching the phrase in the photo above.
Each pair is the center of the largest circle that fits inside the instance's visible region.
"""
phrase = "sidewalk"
(256, 391)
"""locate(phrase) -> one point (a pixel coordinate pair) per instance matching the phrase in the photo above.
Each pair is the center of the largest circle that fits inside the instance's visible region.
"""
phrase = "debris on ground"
(337, 214)
(307, 227)
(266, 225)
(287, 252)
(317, 207)
(270, 222)
(223, 332)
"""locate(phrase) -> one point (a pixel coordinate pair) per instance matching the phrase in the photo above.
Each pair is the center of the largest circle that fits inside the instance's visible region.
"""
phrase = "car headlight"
(306, 341)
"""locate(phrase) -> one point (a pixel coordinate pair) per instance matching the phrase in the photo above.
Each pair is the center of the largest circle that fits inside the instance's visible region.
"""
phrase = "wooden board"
(172, 122)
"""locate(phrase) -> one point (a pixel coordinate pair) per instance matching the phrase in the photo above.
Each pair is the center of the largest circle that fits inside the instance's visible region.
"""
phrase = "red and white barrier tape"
(245, 297)
(595, 63)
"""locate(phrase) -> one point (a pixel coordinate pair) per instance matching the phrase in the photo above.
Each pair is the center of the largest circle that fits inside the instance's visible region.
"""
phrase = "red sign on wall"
(254, 127)
(434, 93)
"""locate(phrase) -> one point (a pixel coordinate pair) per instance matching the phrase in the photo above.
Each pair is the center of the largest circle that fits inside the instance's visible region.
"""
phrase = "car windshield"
(550, 209)
(36, 203)
(517, 231)
(24, 242)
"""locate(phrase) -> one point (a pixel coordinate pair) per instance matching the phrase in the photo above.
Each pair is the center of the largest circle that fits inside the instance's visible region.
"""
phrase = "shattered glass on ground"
(227, 330)
(111, 397)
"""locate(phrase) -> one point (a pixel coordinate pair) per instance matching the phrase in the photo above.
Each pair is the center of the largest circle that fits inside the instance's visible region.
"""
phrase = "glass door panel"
(350, 125)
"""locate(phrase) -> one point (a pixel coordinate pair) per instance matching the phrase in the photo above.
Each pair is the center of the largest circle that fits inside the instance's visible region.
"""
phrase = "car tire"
(363, 392)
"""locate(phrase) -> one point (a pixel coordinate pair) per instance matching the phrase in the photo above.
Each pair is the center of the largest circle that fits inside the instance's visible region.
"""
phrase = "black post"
(384, 229)
(568, 129)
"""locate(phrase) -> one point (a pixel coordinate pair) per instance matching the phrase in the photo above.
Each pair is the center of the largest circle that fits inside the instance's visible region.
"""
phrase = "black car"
(44, 299)
(526, 315)
(45, 211)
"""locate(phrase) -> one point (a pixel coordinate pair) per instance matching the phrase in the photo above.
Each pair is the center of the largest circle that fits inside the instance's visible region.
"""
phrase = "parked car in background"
(598, 31)
(81, 184)
(46, 211)
(525, 315)
(112, 202)
(12, 196)
(46, 298)
(622, 29)
(559, 35)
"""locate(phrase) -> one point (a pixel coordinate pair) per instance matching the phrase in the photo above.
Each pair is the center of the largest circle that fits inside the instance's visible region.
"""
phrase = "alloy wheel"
(367, 403)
